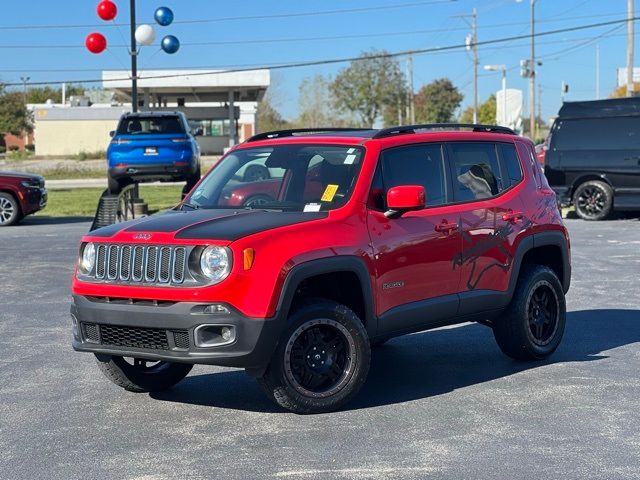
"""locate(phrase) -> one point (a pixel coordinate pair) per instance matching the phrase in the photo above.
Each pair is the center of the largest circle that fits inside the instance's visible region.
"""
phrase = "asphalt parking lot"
(442, 404)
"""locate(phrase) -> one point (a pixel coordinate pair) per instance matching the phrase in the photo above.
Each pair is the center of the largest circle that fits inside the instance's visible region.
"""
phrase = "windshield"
(150, 125)
(302, 178)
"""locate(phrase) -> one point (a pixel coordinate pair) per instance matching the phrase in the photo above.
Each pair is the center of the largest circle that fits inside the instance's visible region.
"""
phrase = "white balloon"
(145, 34)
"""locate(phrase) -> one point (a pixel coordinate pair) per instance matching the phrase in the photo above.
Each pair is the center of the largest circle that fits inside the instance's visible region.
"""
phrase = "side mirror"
(112, 133)
(405, 198)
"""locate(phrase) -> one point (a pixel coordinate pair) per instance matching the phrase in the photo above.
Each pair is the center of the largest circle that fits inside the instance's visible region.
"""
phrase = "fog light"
(216, 309)
(214, 335)
(227, 333)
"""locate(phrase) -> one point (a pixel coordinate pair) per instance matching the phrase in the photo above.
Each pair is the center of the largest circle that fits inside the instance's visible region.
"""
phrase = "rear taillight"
(119, 141)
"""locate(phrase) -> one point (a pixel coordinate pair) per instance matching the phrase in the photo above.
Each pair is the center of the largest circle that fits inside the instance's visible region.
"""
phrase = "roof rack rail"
(404, 129)
(291, 132)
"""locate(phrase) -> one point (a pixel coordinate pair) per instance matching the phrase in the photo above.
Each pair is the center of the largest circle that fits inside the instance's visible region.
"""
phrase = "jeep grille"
(159, 265)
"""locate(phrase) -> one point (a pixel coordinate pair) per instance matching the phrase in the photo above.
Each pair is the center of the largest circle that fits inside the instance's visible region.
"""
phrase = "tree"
(14, 116)
(621, 92)
(486, 112)
(437, 101)
(314, 102)
(267, 114)
(368, 86)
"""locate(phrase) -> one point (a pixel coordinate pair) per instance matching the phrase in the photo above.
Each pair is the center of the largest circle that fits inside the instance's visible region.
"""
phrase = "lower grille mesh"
(135, 337)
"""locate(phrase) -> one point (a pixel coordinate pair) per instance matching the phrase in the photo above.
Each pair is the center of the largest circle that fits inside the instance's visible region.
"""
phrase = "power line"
(239, 18)
(289, 40)
(312, 63)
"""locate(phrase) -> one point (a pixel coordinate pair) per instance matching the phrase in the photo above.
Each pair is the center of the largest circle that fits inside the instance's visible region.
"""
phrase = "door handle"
(446, 227)
(513, 217)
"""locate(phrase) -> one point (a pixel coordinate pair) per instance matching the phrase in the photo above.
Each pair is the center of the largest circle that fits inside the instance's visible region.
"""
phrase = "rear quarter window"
(615, 133)
(513, 170)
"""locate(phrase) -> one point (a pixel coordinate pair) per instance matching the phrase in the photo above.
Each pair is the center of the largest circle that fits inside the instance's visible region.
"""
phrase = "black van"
(593, 156)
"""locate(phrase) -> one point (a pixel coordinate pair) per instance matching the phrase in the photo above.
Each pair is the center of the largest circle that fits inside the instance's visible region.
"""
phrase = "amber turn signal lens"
(248, 255)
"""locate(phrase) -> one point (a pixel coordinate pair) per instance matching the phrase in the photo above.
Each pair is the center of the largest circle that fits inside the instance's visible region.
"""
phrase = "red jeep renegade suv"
(370, 234)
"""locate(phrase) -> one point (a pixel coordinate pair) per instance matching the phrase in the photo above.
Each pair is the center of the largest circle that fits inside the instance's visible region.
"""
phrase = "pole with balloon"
(143, 35)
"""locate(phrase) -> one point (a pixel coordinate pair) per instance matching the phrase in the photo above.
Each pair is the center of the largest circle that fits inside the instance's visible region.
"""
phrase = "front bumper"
(34, 199)
(159, 332)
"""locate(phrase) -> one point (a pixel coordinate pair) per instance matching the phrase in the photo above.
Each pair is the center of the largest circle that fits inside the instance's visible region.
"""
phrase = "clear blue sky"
(565, 56)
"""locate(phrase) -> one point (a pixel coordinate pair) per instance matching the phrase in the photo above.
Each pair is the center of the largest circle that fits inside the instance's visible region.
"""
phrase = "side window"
(417, 165)
(476, 172)
(513, 172)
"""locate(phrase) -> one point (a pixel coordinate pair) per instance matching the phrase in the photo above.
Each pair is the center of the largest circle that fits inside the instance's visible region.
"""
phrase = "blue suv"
(153, 146)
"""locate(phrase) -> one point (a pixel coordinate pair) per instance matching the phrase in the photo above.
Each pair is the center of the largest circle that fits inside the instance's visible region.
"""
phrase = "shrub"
(14, 148)
(30, 147)
(3, 149)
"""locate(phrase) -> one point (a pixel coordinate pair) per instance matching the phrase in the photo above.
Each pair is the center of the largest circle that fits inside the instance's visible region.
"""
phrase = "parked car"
(593, 160)
(153, 146)
(541, 151)
(21, 194)
(370, 235)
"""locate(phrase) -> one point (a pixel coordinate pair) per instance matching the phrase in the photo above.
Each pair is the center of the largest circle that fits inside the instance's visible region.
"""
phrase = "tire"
(593, 200)
(527, 330)
(255, 173)
(114, 186)
(320, 334)
(138, 377)
(257, 200)
(10, 213)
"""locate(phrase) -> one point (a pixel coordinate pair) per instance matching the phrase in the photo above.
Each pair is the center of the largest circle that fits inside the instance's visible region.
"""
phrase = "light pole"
(24, 88)
(503, 69)
(134, 59)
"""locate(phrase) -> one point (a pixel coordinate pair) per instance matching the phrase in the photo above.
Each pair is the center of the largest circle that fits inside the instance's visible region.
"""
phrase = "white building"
(220, 105)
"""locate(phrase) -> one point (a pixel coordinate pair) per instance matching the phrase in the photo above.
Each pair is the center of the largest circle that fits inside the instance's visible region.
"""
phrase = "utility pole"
(539, 101)
(630, 34)
(134, 59)
(411, 104)
(532, 78)
(24, 88)
(474, 34)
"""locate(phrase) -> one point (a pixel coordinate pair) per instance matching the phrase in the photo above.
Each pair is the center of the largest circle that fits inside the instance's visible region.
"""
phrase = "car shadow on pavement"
(46, 220)
(428, 364)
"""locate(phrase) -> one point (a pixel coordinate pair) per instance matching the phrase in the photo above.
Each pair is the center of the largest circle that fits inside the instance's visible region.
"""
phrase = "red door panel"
(414, 257)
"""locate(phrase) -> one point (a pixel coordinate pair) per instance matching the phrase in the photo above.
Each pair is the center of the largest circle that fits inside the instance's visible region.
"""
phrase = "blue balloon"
(170, 44)
(164, 16)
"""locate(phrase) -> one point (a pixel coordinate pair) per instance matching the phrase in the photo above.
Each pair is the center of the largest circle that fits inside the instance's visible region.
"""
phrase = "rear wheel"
(322, 360)
(533, 324)
(593, 200)
(10, 213)
(140, 375)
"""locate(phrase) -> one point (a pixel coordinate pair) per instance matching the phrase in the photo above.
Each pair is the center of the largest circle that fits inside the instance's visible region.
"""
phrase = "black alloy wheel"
(543, 313)
(322, 359)
(593, 200)
(318, 358)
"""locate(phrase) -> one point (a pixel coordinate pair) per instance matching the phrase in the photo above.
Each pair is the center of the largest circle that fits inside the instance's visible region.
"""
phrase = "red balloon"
(95, 42)
(107, 10)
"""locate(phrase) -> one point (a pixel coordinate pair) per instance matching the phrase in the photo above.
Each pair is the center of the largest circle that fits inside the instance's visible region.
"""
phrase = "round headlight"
(88, 259)
(215, 263)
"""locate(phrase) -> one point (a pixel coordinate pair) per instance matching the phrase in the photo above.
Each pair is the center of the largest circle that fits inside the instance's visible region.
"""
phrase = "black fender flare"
(342, 263)
(542, 239)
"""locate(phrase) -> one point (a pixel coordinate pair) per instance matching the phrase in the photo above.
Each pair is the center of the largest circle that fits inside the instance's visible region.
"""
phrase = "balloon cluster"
(145, 35)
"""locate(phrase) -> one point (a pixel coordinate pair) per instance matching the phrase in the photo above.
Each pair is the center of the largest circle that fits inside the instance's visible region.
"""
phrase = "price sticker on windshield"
(329, 193)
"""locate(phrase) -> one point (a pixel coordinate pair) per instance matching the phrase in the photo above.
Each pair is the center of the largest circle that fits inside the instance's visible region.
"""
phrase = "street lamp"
(503, 69)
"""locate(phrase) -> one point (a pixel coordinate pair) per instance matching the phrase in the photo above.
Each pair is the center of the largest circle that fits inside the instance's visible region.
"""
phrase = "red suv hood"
(220, 225)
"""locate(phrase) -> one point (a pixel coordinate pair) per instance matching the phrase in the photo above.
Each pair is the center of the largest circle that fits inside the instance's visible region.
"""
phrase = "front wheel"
(9, 210)
(322, 360)
(532, 326)
(140, 375)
